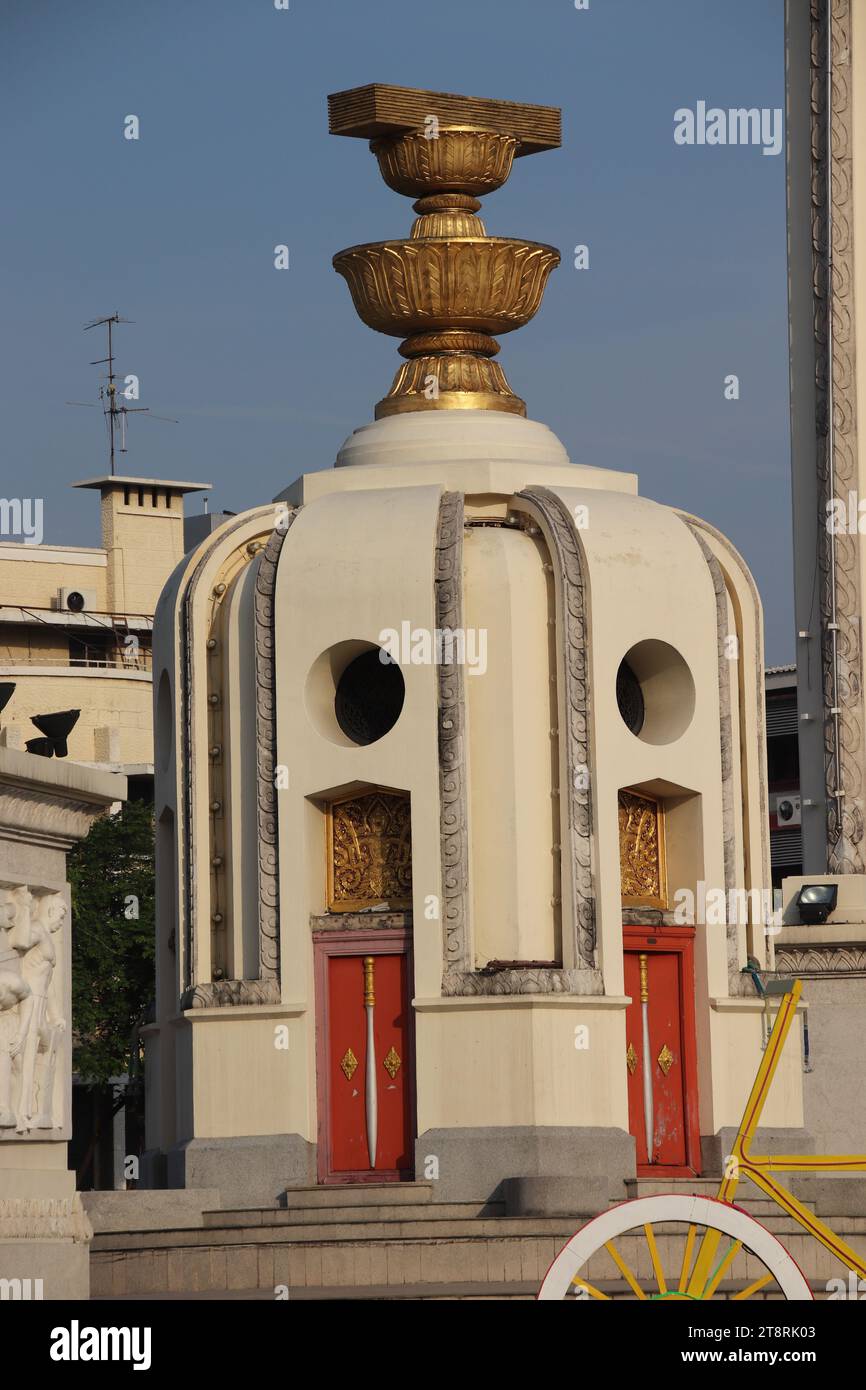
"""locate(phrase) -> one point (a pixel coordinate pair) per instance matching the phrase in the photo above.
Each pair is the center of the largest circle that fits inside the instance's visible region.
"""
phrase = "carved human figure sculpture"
(14, 931)
(40, 1027)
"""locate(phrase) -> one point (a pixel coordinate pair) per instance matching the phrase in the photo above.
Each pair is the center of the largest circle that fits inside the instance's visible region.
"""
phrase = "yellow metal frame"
(759, 1167)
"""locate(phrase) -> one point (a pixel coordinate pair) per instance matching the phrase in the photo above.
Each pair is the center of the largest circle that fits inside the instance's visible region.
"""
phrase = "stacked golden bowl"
(449, 287)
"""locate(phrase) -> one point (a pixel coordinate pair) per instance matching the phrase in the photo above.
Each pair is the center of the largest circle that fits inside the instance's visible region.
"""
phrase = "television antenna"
(115, 413)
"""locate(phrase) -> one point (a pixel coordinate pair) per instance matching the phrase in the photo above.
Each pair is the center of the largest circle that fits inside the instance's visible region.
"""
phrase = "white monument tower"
(448, 739)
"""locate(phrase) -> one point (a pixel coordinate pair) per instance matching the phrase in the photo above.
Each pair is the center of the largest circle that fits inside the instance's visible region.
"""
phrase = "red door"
(367, 1134)
(660, 1059)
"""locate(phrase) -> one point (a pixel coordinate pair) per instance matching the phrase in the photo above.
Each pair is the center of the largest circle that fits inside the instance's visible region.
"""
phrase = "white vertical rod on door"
(649, 1120)
(370, 1089)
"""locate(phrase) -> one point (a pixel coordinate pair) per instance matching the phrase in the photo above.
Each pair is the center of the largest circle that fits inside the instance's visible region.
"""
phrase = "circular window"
(369, 696)
(354, 693)
(629, 698)
(655, 692)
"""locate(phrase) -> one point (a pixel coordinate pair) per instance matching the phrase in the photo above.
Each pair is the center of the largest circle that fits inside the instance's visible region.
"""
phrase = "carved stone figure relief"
(31, 1023)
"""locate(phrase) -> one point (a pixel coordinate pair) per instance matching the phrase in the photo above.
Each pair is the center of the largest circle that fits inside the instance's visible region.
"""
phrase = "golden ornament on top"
(448, 287)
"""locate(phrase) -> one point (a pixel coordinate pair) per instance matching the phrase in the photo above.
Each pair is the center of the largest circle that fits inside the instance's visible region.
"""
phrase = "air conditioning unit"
(76, 600)
(788, 810)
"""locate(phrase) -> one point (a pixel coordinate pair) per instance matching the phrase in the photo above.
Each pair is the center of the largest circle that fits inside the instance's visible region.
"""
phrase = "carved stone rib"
(459, 978)
(205, 993)
(738, 985)
(266, 756)
(568, 571)
(834, 328)
(453, 797)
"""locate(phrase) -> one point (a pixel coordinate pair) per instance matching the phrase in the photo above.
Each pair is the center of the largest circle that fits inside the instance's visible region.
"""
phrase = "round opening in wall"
(655, 692)
(354, 693)
(629, 698)
(369, 697)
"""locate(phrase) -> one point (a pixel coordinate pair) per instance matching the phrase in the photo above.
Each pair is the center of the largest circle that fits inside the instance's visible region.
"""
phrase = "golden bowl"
(481, 284)
(457, 160)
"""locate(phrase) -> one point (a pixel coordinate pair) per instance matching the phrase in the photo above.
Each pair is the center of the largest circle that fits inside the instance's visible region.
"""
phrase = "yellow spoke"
(703, 1264)
(722, 1269)
(687, 1258)
(624, 1269)
(654, 1256)
(590, 1288)
(753, 1288)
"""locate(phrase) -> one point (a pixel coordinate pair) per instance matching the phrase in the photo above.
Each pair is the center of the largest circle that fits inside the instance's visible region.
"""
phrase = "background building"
(783, 772)
(76, 624)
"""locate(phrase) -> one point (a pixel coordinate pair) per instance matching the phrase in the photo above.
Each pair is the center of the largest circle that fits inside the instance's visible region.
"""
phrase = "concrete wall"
(834, 1088)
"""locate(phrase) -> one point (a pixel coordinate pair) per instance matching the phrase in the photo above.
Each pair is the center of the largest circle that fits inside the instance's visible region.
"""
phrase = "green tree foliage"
(112, 878)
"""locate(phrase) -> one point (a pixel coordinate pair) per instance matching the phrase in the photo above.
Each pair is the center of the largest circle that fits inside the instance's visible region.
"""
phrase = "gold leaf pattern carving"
(370, 852)
(641, 851)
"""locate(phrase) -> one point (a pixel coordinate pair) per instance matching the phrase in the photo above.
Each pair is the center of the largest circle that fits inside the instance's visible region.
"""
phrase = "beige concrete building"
(76, 624)
(453, 785)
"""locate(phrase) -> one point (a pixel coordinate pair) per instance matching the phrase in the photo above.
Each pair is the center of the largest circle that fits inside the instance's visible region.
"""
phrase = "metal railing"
(140, 661)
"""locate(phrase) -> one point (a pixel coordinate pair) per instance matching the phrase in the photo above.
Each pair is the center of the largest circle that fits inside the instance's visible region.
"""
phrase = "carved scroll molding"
(835, 328)
(220, 994)
(459, 977)
(569, 577)
(737, 985)
(821, 960)
(266, 757)
(44, 1218)
(453, 792)
(189, 755)
(50, 819)
(266, 989)
(761, 818)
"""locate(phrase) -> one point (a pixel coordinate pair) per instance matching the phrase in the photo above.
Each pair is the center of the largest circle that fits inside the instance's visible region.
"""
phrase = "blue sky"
(268, 371)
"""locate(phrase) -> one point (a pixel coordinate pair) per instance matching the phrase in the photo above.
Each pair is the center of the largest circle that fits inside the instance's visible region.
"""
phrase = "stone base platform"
(393, 1241)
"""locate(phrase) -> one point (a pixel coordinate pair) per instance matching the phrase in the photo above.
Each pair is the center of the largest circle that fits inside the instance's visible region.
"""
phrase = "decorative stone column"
(45, 808)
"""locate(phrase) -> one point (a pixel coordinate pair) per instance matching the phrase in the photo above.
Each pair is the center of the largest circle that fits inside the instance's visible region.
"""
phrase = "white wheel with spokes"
(704, 1242)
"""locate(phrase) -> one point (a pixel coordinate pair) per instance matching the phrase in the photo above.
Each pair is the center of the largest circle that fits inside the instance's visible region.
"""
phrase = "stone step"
(358, 1194)
(355, 1224)
(424, 1293)
(320, 1215)
(263, 1258)
(416, 1230)
(188, 1267)
(748, 1197)
(346, 1230)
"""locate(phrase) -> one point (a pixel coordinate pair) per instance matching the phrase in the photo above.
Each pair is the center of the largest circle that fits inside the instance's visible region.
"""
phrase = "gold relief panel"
(369, 849)
(643, 878)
